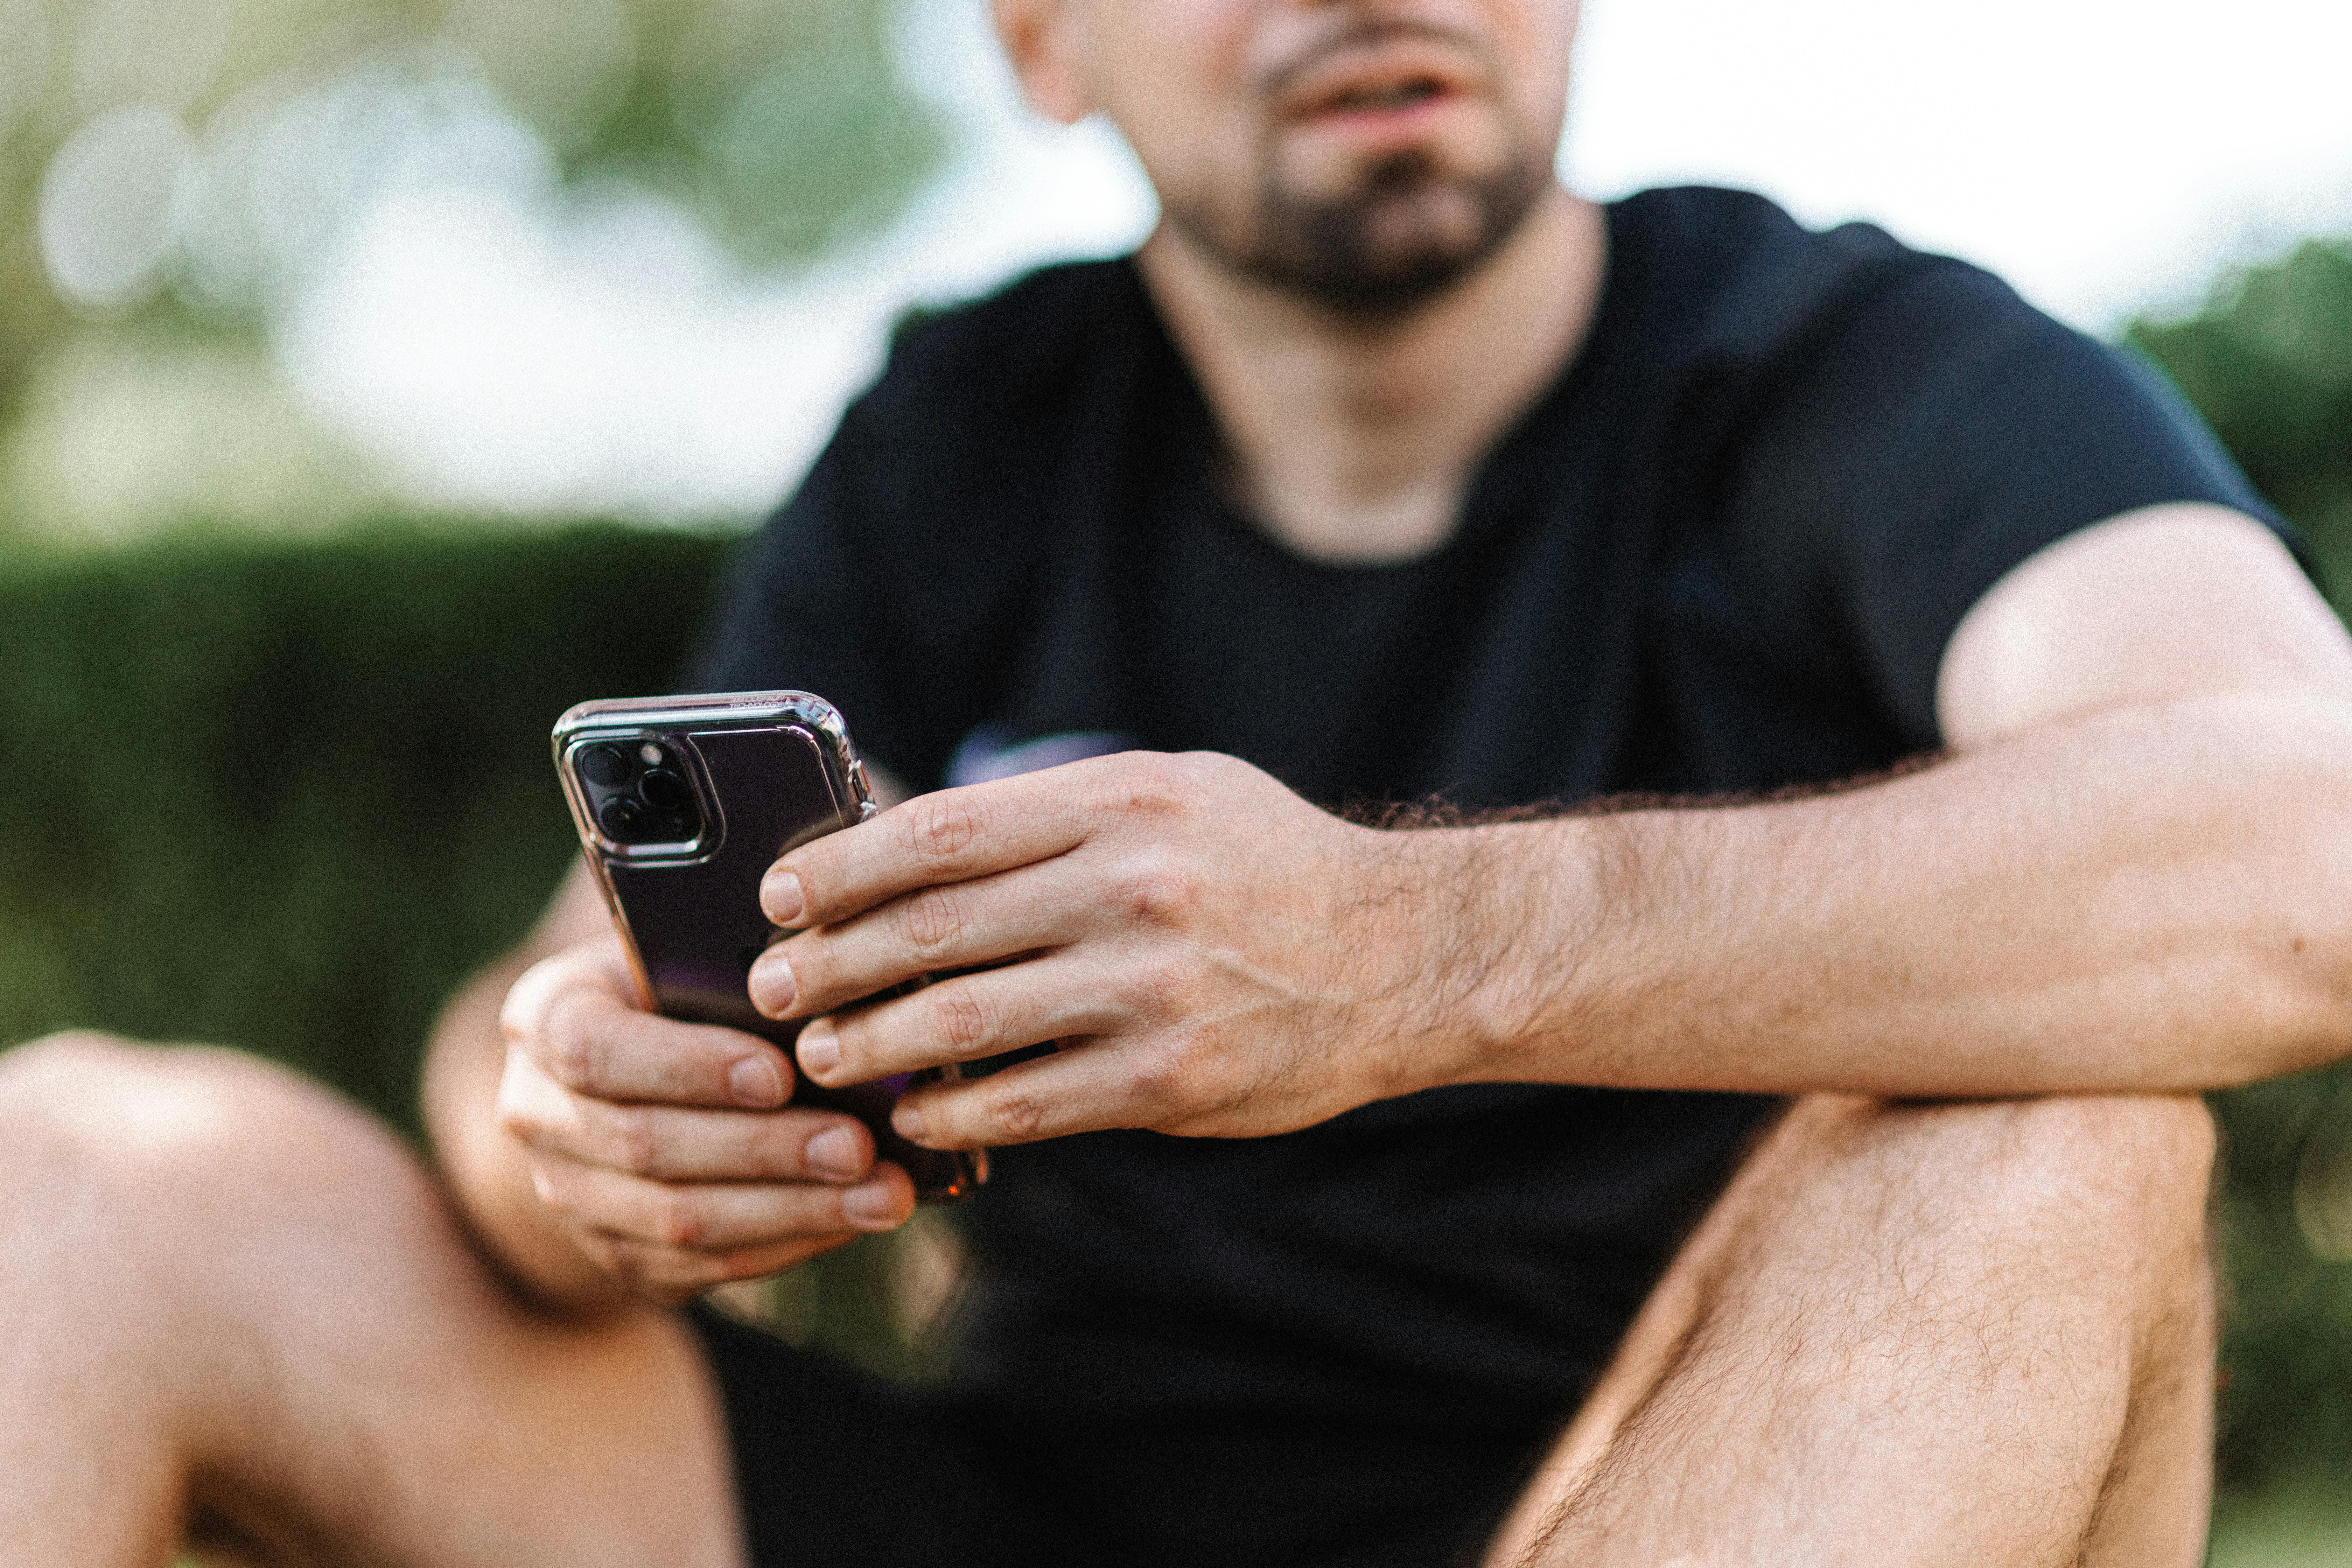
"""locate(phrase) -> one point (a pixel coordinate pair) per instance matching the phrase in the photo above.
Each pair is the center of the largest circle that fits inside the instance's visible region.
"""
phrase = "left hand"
(1217, 956)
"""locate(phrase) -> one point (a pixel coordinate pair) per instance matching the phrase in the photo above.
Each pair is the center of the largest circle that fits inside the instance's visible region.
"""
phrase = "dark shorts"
(835, 1469)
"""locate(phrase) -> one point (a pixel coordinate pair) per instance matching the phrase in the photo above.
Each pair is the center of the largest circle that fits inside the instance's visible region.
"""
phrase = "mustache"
(1363, 33)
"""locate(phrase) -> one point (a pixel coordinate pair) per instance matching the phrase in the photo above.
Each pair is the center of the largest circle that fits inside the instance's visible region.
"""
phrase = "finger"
(718, 1216)
(598, 964)
(672, 1275)
(952, 926)
(966, 1018)
(950, 835)
(670, 1143)
(593, 1043)
(1088, 1086)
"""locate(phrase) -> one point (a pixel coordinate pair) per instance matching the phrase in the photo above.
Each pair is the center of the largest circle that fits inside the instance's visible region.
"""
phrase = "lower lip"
(1381, 127)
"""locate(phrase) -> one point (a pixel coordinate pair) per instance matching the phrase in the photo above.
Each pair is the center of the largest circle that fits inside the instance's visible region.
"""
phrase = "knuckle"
(574, 1049)
(1160, 888)
(514, 1022)
(658, 1274)
(1154, 785)
(555, 1195)
(677, 1219)
(613, 1258)
(961, 1020)
(931, 920)
(637, 1138)
(1014, 1108)
(1163, 988)
(941, 827)
(1157, 1075)
(519, 1120)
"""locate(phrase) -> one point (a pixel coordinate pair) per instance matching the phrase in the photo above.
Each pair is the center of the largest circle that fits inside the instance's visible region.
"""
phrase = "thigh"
(249, 1304)
(1984, 1329)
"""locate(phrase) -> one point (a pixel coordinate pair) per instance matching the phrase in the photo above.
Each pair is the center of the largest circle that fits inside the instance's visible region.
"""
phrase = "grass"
(2304, 1528)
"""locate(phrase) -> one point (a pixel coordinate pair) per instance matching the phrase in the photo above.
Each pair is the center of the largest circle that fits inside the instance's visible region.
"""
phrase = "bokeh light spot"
(110, 207)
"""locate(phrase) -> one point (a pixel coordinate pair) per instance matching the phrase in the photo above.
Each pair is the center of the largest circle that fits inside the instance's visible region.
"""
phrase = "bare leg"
(236, 1304)
(1974, 1334)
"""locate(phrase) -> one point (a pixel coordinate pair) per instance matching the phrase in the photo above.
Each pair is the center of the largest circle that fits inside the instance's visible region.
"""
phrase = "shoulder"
(1742, 282)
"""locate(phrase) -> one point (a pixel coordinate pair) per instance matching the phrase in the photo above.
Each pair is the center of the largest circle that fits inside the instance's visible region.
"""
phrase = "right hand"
(667, 1151)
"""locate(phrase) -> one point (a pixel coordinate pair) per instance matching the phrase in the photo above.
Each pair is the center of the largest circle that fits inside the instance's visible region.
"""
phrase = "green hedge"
(287, 794)
(2269, 361)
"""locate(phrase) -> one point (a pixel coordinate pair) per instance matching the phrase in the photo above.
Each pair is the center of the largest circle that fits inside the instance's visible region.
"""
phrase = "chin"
(1323, 170)
(1370, 236)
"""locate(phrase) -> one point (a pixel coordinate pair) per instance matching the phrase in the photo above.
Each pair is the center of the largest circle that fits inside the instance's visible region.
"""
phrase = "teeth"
(1385, 98)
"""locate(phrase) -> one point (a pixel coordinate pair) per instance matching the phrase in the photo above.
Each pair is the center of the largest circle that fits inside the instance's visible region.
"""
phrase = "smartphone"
(682, 804)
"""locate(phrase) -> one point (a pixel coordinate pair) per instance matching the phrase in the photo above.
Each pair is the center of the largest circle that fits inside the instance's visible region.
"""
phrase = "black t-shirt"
(1723, 552)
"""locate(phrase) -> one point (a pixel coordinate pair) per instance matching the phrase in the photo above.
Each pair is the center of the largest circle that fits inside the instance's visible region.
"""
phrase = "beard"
(1408, 231)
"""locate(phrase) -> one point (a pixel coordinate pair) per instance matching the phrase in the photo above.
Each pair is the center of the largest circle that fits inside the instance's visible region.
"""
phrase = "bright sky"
(2104, 155)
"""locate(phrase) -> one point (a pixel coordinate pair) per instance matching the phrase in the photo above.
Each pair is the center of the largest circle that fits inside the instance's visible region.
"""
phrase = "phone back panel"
(692, 920)
(698, 926)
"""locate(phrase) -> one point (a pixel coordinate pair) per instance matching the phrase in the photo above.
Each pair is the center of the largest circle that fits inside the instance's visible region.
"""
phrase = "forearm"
(485, 1168)
(2149, 899)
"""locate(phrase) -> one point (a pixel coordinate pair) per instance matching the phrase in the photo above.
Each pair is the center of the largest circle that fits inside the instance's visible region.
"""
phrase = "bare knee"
(176, 1135)
(2133, 1160)
(2152, 1149)
(2108, 1176)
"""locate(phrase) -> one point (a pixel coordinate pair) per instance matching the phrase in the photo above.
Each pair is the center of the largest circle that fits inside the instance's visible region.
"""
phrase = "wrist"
(1454, 947)
(1511, 948)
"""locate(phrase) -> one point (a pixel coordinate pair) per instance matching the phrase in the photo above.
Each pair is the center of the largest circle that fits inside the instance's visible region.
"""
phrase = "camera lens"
(623, 819)
(603, 766)
(664, 791)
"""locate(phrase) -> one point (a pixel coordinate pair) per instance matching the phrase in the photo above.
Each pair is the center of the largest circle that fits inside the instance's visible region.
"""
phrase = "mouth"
(1384, 81)
(1383, 99)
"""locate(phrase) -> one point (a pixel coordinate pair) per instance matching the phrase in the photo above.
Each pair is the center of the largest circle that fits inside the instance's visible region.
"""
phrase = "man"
(1348, 1225)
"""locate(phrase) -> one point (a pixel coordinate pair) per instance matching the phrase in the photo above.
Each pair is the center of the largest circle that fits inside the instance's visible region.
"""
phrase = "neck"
(1355, 440)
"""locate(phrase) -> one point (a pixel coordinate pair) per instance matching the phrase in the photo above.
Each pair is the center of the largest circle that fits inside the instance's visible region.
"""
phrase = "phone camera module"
(665, 791)
(603, 766)
(623, 819)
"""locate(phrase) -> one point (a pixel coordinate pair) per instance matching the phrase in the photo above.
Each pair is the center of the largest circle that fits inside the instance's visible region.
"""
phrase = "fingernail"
(780, 896)
(834, 1152)
(820, 1047)
(754, 1080)
(909, 1122)
(874, 1205)
(773, 989)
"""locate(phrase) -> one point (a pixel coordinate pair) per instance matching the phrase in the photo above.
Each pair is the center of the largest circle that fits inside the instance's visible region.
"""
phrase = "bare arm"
(2135, 872)
(487, 1170)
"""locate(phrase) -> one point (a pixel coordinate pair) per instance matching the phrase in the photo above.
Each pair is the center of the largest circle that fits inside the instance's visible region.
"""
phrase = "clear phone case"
(682, 804)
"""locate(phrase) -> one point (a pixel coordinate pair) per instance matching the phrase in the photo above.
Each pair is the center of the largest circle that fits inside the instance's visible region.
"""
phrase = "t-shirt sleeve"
(1939, 438)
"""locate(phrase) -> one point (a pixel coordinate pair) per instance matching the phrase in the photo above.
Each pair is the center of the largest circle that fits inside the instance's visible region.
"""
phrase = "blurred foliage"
(287, 796)
(2268, 360)
(177, 162)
